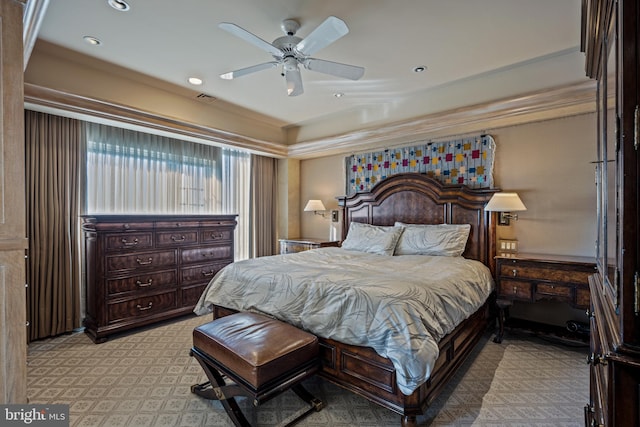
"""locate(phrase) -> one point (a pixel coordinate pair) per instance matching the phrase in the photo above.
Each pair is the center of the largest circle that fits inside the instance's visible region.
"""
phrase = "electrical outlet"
(334, 216)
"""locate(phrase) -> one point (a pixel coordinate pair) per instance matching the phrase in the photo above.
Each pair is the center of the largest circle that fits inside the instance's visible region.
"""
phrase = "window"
(131, 172)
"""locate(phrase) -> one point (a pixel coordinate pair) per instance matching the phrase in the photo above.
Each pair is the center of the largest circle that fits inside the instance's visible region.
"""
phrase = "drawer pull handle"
(208, 273)
(141, 308)
(126, 226)
(178, 239)
(215, 236)
(515, 272)
(126, 243)
(143, 284)
(140, 262)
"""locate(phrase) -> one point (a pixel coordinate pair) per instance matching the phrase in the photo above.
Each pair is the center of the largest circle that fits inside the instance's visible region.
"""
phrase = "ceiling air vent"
(206, 98)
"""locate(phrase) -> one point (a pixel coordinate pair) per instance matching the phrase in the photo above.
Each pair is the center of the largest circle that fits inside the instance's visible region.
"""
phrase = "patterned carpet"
(144, 378)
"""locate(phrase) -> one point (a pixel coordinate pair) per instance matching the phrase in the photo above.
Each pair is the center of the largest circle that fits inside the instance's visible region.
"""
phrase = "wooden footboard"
(362, 371)
(412, 198)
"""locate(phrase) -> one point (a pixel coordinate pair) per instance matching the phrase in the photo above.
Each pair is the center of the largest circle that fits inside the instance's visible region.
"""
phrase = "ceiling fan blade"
(351, 72)
(292, 77)
(251, 38)
(248, 70)
(326, 33)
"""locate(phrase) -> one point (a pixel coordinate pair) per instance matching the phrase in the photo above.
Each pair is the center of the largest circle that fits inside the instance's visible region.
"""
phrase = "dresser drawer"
(132, 241)
(141, 260)
(516, 289)
(177, 224)
(123, 226)
(150, 281)
(202, 255)
(191, 295)
(142, 307)
(176, 238)
(215, 235)
(200, 273)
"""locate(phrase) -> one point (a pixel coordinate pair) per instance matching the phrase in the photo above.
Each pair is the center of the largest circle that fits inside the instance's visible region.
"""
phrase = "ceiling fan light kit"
(290, 51)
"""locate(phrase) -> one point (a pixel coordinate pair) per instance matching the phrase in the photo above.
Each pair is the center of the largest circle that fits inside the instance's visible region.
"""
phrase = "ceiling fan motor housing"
(290, 26)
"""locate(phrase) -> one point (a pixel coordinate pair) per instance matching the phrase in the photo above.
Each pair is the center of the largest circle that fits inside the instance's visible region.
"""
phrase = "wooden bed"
(415, 199)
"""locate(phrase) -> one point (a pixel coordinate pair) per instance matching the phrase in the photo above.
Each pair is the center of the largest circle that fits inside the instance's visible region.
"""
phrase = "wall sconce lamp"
(317, 207)
(505, 203)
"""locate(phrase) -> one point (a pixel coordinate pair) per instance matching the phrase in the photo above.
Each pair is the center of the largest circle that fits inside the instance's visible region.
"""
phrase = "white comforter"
(401, 306)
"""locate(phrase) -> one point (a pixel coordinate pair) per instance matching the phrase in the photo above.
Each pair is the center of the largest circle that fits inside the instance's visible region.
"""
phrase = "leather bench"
(262, 357)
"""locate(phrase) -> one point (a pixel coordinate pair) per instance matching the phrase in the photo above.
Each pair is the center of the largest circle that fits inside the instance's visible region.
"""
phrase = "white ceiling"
(474, 51)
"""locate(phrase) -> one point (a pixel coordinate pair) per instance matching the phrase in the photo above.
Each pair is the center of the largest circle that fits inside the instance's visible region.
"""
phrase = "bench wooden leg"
(503, 313)
(221, 391)
(217, 389)
(408, 421)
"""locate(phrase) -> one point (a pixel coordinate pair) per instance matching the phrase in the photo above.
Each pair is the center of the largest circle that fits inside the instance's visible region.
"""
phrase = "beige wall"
(547, 163)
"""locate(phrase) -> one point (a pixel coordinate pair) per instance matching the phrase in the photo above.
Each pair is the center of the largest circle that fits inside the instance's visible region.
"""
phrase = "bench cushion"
(256, 348)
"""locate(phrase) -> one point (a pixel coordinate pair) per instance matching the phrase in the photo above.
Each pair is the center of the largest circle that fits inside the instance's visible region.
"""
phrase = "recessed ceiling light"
(195, 81)
(92, 40)
(120, 5)
(420, 69)
(338, 94)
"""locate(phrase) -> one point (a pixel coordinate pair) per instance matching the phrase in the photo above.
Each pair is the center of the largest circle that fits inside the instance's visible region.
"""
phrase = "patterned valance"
(467, 161)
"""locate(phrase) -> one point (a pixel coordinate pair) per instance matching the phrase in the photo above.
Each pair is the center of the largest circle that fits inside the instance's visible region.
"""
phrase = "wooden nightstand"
(531, 278)
(288, 246)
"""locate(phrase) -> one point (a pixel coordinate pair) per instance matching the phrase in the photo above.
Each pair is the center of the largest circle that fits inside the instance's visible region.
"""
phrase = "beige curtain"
(54, 175)
(263, 208)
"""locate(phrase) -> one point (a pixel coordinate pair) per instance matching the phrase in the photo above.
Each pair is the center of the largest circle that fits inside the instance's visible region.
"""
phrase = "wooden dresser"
(288, 246)
(611, 42)
(142, 269)
(535, 277)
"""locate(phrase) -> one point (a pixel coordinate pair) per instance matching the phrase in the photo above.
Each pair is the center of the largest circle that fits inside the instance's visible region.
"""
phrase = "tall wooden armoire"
(610, 42)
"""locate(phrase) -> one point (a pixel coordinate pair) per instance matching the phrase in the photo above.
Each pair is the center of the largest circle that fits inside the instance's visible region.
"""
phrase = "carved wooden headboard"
(415, 198)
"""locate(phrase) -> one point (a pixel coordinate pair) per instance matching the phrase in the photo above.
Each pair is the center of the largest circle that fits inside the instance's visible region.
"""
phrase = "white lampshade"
(314, 205)
(505, 202)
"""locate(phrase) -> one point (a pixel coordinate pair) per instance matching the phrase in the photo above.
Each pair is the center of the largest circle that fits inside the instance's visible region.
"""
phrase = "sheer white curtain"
(236, 172)
(131, 172)
(136, 172)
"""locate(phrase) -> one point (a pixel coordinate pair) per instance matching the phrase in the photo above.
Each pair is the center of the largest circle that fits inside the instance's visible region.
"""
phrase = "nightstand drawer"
(542, 272)
(556, 292)
(516, 289)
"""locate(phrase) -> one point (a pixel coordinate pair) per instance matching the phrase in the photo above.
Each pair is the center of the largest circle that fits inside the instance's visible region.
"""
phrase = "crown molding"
(573, 99)
(58, 102)
(569, 100)
(33, 16)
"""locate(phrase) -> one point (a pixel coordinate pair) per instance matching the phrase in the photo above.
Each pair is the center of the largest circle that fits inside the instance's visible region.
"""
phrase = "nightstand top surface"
(548, 257)
(307, 240)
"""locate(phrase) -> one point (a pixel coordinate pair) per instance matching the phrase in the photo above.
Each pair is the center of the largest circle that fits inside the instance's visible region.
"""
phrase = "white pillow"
(374, 239)
(433, 239)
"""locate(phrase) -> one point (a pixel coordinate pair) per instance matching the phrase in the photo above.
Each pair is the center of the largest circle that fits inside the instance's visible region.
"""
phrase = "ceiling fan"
(291, 51)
